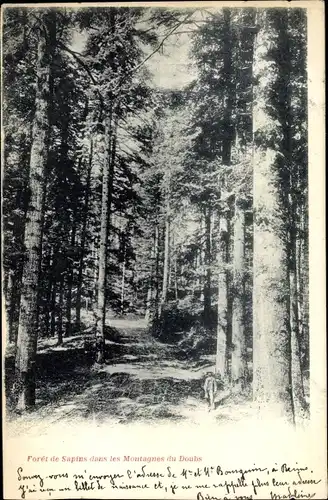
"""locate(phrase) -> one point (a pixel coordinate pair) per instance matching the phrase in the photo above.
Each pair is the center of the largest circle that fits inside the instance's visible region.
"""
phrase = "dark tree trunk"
(238, 352)
(47, 306)
(243, 139)
(208, 270)
(28, 320)
(107, 184)
(70, 279)
(83, 239)
(60, 312)
(166, 262)
(156, 275)
(53, 308)
(221, 365)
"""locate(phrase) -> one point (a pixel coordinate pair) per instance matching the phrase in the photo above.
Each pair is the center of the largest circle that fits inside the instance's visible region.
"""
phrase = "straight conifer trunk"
(238, 351)
(297, 375)
(300, 409)
(224, 311)
(60, 312)
(165, 266)
(156, 275)
(28, 318)
(83, 238)
(221, 365)
(104, 229)
(167, 244)
(123, 281)
(208, 261)
(244, 97)
(271, 338)
(70, 279)
(148, 302)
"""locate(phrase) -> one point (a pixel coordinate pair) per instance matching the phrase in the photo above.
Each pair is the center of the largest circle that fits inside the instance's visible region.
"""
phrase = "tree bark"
(13, 303)
(60, 312)
(152, 301)
(83, 238)
(156, 275)
(148, 302)
(224, 309)
(208, 270)
(166, 263)
(221, 365)
(53, 308)
(70, 278)
(123, 278)
(18, 262)
(176, 286)
(28, 320)
(243, 138)
(47, 308)
(271, 339)
(303, 273)
(165, 267)
(300, 408)
(239, 351)
(107, 181)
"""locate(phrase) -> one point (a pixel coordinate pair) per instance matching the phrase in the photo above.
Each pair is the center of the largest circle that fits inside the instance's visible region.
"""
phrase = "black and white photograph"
(155, 216)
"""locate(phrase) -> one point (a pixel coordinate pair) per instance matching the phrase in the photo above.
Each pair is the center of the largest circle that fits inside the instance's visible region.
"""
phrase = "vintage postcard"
(163, 251)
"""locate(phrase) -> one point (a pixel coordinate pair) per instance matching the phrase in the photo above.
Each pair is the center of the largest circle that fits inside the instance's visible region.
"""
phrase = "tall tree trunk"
(303, 273)
(15, 290)
(148, 302)
(13, 302)
(165, 266)
(224, 308)
(201, 258)
(47, 307)
(70, 278)
(28, 320)
(156, 275)
(221, 366)
(107, 181)
(300, 409)
(238, 351)
(152, 301)
(271, 339)
(208, 270)
(297, 144)
(296, 372)
(166, 260)
(60, 312)
(123, 280)
(53, 308)
(243, 138)
(83, 238)
(176, 286)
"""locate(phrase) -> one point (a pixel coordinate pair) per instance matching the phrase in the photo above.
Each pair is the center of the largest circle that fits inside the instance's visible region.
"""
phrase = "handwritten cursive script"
(209, 482)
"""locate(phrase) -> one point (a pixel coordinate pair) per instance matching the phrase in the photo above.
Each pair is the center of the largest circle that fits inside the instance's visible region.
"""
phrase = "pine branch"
(160, 45)
(86, 68)
(208, 12)
(79, 60)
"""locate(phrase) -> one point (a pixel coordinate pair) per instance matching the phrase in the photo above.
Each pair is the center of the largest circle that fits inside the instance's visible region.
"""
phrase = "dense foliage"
(140, 200)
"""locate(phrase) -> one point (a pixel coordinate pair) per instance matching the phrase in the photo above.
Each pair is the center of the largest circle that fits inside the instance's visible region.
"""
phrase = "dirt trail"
(143, 380)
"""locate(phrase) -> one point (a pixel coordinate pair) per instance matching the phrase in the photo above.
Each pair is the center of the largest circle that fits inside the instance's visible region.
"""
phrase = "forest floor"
(143, 380)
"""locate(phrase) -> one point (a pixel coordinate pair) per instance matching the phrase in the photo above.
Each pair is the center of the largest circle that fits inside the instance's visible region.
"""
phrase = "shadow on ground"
(128, 388)
(129, 398)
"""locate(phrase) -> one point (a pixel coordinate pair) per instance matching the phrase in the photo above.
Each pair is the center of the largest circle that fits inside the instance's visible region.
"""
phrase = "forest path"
(142, 381)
